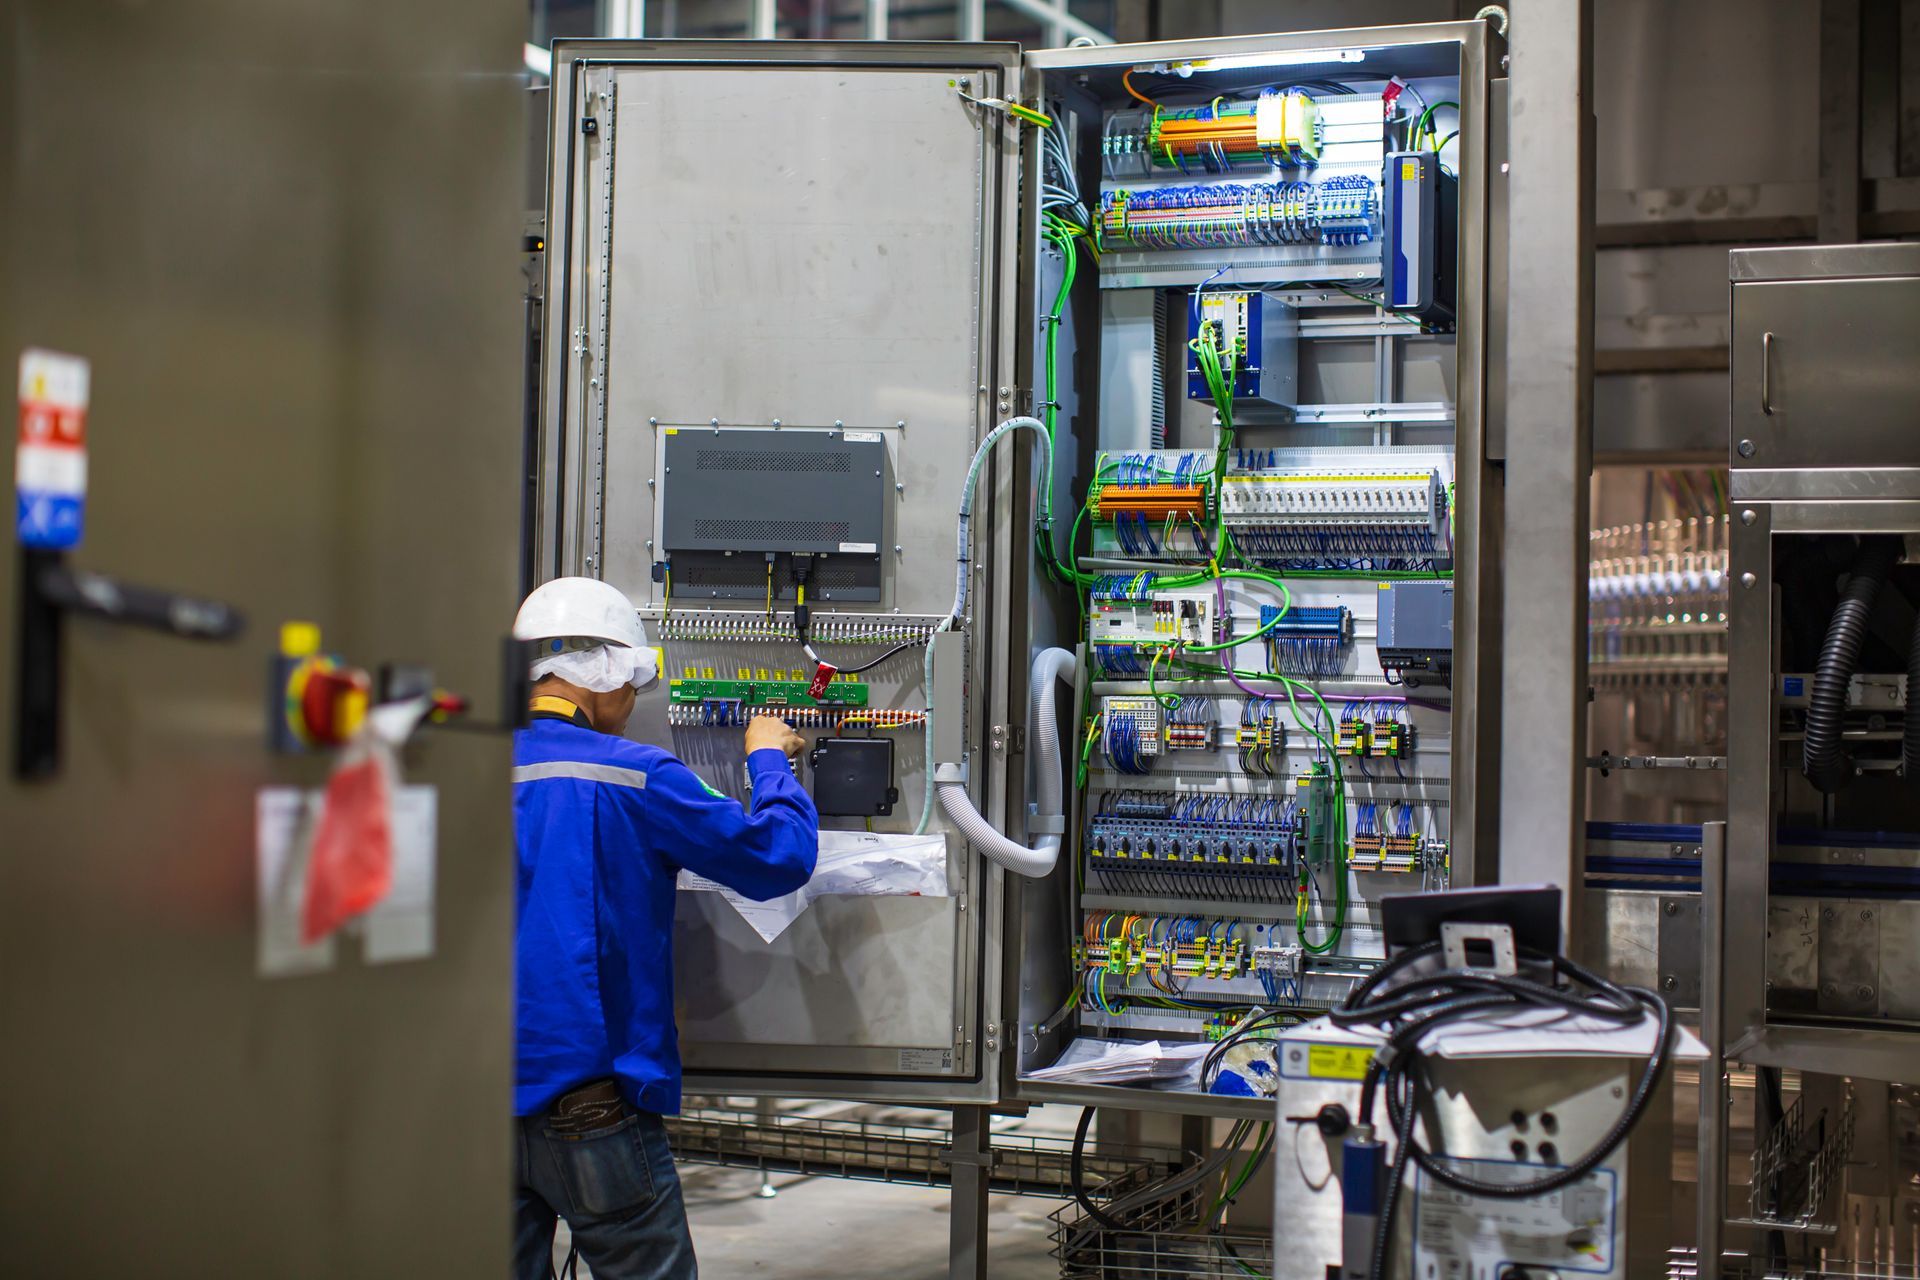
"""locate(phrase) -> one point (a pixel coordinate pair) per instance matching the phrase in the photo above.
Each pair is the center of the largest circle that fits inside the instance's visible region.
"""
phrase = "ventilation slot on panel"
(836, 577)
(722, 575)
(758, 460)
(756, 534)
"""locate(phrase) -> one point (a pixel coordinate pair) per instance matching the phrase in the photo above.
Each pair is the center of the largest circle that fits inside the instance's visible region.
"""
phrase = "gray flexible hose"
(1050, 668)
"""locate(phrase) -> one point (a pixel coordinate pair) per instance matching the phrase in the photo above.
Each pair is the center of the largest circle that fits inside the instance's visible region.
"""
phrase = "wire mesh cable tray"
(892, 1149)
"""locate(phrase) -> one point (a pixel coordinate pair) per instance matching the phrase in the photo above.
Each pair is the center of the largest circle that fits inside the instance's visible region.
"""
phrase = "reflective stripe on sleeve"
(613, 775)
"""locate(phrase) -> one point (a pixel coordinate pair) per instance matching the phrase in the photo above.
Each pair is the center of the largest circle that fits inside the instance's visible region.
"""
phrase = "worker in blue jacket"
(604, 826)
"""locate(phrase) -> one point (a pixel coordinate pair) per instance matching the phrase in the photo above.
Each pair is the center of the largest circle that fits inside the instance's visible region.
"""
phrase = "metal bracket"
(1606, 762)
(1456, 935)
(1047, 824)
(1009, 736)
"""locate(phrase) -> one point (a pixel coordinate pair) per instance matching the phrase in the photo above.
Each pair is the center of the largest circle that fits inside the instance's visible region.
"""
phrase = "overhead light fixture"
(1251, 61)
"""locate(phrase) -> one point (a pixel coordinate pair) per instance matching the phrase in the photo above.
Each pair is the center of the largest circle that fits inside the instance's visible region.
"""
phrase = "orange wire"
(1126, 82)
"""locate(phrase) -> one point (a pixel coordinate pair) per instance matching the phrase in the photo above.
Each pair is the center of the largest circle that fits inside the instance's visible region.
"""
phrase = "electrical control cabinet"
(1139, 345)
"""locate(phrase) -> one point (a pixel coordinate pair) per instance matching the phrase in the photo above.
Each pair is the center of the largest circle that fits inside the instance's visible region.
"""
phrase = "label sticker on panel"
(924, 1061)
(50, 457)
(1572, 1231)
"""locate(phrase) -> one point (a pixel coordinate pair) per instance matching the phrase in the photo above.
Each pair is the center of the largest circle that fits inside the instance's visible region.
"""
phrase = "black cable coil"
(1419, 1004)
(1824, 758)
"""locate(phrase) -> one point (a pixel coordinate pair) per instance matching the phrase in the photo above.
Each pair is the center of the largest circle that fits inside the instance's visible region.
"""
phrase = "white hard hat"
(580, 609)
(590, 635)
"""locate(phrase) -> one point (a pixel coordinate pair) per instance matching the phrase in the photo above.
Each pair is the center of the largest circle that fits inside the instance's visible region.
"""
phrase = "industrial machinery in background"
(1657, 647)
(1815, 979)
(1481, 1105)
(1096, 475)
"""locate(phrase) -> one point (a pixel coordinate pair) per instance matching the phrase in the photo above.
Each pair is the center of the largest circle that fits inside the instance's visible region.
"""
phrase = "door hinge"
(1011, 401)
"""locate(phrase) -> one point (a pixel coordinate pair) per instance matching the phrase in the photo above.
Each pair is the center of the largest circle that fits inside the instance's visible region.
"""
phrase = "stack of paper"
(1091, 1061)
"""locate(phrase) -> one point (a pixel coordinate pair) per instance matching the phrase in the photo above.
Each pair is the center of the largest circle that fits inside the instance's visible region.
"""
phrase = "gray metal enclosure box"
(865, 238)
(729, 498)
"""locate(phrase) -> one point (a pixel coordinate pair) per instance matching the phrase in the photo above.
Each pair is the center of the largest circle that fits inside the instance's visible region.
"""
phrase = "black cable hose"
(1823, 758)
(1390, 1204)
(1077, 1173)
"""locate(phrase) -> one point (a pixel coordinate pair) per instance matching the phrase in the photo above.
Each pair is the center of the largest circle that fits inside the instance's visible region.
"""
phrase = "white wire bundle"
(1059, 182)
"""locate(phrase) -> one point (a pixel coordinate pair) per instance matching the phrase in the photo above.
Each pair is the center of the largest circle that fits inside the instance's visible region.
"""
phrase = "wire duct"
(1050, 668)
(1824, 758)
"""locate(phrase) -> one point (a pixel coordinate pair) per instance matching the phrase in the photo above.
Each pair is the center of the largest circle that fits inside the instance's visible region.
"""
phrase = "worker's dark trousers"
(618, 1191)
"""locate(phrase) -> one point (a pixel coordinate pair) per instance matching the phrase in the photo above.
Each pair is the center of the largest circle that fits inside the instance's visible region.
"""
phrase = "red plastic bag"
(351, 868)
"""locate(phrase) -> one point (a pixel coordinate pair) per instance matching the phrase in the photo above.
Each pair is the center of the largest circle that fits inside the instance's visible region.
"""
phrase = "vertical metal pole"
(764, 18)
(969, 1159)
(1712, 1201)
(1839, 218)
(623, 19)
(876, 20)
(972, 21)
(1056, 29)
(1549, 451)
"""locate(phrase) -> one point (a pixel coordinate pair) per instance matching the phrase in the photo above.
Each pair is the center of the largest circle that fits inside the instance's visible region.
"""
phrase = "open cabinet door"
(778, 327)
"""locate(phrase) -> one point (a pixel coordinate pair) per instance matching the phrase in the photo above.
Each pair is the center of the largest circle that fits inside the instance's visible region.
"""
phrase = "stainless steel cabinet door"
(1823, 373)
(285, 236)
(813, 239)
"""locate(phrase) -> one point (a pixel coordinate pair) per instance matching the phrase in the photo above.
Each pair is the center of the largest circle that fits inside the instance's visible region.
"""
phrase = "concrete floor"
(840, 1229)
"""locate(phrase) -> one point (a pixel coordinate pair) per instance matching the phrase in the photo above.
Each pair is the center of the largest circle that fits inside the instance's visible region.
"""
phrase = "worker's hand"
(770, 733)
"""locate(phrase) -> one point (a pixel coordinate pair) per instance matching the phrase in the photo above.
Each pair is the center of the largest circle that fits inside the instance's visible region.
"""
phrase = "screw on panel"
(1866, 916)
(1669, 983)
(1747, 579)
(713, 422)
(653, 422)
(649, 482)
(1746, 448)
(837, 423)
(1672, 908)
(902, 424)
(1749, 516)
(899, 488)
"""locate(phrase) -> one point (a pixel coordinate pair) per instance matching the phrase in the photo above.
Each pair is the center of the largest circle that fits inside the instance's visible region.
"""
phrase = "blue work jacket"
(603, 826)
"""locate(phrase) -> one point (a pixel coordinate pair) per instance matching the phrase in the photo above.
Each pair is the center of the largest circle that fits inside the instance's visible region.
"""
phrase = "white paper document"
(1089, 1060)
(852, 864)
(399, 927)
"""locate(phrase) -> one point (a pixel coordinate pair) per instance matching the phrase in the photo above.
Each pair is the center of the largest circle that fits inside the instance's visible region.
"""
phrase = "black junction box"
(853, 777)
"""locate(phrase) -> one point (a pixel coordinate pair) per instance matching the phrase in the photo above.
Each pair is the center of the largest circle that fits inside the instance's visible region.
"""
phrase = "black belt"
(590, 1107)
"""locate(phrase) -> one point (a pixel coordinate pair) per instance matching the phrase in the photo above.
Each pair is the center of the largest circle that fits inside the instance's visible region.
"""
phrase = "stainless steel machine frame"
(1821, 442)
(580, 477)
